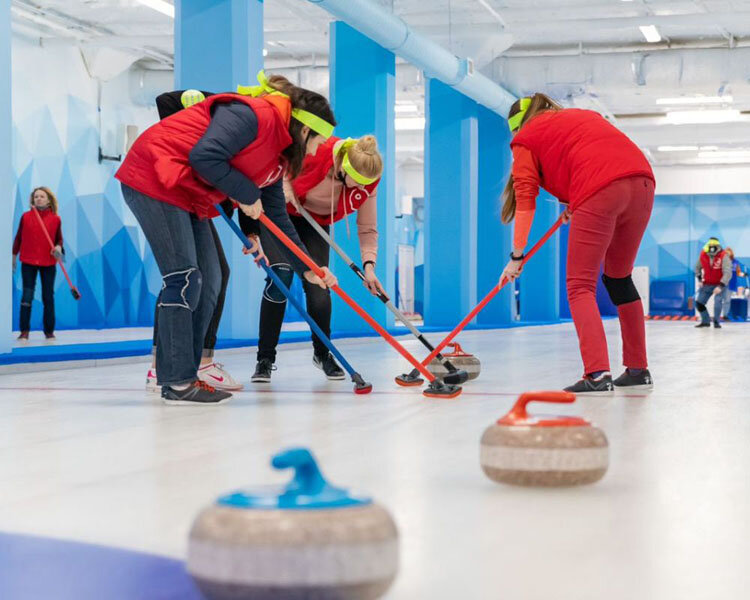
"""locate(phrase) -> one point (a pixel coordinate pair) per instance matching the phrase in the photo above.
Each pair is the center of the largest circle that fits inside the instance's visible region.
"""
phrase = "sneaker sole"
(193, 402)
(260, 380)
(224, 388)
(640, 386)
(595, 393)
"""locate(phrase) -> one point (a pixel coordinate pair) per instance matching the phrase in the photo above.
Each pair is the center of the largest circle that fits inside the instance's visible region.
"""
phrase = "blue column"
(362, 92)
(6, 176)
(451, 181)
(218, 45)
(540, 282)
(493, 238)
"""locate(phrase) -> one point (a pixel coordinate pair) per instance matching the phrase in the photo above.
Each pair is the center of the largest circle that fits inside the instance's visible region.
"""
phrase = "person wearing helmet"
(714, 271)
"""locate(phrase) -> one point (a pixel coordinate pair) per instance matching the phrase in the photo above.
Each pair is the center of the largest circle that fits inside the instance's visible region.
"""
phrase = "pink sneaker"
(215, 376)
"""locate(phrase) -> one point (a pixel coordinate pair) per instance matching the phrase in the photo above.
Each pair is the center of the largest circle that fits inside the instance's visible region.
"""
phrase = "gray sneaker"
(329, 366)
(642, 381)
(197, 393)
(602, 385)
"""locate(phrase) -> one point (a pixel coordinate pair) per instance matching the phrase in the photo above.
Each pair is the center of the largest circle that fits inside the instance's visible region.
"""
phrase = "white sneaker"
(215, 376)
(151, 381)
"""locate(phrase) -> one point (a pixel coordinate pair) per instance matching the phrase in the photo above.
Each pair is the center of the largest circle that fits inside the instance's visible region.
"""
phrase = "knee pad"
(181, 289)
(700, 306)
(27, 296)
(272, 293)
(621, 290)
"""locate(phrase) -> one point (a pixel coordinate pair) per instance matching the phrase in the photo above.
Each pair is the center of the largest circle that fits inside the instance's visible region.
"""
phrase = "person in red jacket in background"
(38, 257)
(228, 146)
(608, 185)
(341, 178)
(714, 271)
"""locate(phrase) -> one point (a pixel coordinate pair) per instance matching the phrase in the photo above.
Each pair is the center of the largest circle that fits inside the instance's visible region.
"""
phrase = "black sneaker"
(642, 381)
(196, 394)
(589, 385)
(329, 366)
(263, 371)
(702, 324)
(717, 325)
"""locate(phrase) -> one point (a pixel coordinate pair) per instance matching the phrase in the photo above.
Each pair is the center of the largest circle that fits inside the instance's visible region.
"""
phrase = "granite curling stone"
(306, 540)
(459, 359)
(543, 450)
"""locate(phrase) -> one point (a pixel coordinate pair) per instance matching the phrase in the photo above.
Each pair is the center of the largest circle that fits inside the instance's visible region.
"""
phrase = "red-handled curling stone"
(459, 359)
(521, 449)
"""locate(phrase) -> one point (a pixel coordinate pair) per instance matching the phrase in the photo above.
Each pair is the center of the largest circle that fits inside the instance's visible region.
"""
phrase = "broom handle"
(493, 292)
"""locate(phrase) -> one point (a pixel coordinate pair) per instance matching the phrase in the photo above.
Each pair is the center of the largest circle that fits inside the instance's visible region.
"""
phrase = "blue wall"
(6, 188)
(681, 224)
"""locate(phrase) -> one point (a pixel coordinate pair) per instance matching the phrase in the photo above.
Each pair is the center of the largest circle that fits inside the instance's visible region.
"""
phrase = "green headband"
(349, 168)
(191, 98)
(514, 122)
(314, 122)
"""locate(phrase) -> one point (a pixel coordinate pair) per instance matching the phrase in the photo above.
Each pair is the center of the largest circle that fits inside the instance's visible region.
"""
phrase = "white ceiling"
(588, 53)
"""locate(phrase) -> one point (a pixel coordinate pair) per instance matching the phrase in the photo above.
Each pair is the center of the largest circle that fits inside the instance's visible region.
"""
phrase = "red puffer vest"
(35, 249)
(712, 267)
(315, 168)
(579, 153)
(158, 165)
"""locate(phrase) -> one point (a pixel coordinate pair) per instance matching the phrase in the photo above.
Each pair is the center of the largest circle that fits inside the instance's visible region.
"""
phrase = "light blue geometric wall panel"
(681, 224)
(105, 253)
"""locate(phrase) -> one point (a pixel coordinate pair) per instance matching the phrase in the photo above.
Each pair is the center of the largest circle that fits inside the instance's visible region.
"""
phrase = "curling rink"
(89, 456)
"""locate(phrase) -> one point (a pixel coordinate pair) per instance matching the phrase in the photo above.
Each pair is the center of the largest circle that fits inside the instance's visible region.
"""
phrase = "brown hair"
(539, 103)
(365, 157)
(306, 100)
(50, 195)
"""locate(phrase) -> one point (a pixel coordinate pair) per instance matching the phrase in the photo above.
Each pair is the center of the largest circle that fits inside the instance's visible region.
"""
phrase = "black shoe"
(717, 325)
(197, 393)
(263, 371)
(642, 381)
(589, 385)
(702, 324)
(329, 366)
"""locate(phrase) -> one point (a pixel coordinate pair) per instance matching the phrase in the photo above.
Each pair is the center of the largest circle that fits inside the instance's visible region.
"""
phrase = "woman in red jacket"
(232, 146)
(608, 185)
(38, 257)
(341, 178)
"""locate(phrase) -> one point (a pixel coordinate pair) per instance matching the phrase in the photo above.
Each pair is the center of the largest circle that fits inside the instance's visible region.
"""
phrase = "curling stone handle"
(518, 412)
(308, 479)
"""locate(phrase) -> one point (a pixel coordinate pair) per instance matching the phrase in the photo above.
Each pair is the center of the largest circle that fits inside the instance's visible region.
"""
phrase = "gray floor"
(89, 455)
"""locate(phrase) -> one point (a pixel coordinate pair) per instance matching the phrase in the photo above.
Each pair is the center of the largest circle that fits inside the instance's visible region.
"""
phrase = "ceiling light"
(685, 117)
(409, 123)
(651, 33)
(163, 7)
(696, 100)
(677, 148)
(406, 108)
(725, 154)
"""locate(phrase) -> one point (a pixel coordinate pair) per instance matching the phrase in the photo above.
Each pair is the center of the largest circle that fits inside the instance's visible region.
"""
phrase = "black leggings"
(273, 305)
(209, 342)
(47, 275)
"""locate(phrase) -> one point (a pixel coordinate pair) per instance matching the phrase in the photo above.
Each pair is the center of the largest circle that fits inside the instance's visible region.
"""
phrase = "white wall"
(725, 179)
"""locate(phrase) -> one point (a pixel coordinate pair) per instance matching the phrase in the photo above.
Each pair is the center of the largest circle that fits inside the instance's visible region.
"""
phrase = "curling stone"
(459, 359)
(543, 450)
(308, 539)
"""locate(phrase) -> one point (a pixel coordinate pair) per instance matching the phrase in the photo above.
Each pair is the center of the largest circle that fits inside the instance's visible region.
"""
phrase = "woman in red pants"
(608, 185)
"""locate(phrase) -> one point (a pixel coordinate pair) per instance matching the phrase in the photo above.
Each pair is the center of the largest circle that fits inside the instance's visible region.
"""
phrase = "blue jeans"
(185, 251)
(704, 293)
(726, 299)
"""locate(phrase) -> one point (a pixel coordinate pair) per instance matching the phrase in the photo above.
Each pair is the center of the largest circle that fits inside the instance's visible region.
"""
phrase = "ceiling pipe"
(392, 33)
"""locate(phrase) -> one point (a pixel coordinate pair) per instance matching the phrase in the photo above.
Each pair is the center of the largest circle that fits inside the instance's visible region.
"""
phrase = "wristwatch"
(516, 258)
(368, 262)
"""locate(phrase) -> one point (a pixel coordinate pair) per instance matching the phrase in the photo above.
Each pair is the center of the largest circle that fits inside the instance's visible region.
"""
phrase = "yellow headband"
(514, 122)
(349, 168)
(314, 122)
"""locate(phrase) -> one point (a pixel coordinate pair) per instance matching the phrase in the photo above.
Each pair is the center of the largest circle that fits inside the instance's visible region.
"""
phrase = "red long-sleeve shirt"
(526, 183)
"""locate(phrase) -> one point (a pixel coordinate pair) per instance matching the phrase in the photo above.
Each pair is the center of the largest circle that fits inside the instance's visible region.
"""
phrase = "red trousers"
(608, 228)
